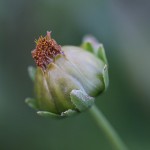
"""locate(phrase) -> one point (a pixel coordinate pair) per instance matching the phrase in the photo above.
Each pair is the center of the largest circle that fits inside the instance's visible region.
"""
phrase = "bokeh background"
(123, 28)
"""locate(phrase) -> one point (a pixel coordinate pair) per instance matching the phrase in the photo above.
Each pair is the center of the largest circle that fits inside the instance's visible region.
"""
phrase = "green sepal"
(31, 103)
(87, 46)
(31, 72)
(101, 54)
(68, 113)
(91, 44)
(48, 114)
(81, 100)
(105, 77)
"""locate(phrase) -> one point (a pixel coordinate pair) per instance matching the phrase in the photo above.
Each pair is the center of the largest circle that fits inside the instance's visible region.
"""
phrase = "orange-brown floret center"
(46, 50)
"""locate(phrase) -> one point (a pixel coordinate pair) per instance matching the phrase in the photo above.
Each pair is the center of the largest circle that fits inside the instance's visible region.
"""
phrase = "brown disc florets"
(46, 50)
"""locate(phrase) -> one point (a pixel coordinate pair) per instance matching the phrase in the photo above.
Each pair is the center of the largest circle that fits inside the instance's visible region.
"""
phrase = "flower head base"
(46, 50)
(67, 79)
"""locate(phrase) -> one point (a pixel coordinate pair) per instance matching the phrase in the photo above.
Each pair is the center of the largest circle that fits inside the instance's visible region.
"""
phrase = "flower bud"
(67, 79)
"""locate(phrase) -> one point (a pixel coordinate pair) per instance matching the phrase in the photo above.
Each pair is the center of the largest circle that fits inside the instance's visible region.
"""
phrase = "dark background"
(123, 28)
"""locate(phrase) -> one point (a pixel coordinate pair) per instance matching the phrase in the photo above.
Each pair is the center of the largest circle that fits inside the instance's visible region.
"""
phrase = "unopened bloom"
(67, 79)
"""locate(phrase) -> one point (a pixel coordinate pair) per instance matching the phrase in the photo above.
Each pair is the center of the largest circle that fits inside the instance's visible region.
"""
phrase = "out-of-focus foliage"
(123, 28)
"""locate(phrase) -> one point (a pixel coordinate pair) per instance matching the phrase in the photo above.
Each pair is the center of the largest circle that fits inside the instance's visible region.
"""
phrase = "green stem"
(108, 130)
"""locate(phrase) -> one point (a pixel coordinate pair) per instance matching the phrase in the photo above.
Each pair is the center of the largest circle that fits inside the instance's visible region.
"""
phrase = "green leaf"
(81, 100)
(31, 72)
(31, 102)
(48, 114)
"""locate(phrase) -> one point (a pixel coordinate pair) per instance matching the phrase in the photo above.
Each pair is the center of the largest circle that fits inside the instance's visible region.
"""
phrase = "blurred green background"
(123, 28)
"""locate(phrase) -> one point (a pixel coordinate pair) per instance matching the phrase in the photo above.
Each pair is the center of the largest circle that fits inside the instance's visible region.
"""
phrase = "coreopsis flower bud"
(67, 79)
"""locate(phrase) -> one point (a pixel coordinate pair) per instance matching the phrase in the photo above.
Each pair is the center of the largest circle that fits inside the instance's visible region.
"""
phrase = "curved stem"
(108, 130)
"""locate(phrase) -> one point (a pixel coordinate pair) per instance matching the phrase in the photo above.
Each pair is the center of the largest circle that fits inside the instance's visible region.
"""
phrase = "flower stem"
(108, 130)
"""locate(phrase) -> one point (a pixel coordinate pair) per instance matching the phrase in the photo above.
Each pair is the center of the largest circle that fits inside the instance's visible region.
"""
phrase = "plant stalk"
(107, 129)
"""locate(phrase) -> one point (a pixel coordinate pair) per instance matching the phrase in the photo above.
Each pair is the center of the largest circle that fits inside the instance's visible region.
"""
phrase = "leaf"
(81, 100)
